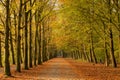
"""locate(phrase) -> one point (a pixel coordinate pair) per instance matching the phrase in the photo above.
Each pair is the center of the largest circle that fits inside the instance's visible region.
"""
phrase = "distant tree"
(114, 64)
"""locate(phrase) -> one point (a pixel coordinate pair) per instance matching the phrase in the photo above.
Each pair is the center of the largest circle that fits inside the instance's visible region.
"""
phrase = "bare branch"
(25, 2)
(2, 3)
(2, 21)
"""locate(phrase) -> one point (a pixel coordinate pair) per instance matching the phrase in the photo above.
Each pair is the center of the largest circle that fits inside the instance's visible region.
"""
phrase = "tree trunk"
(106, 54)
(12, 48)
(43, 42)
(11, 43)
(39, 51)
(36, 38)
(35, 56)
(90, 53)
(7, 64)
(15, 25)
(83, 52)
(30, 37)
(84, 49)
(92, 49)
(105, 46)
(0, 53)
(23, 48)
(18, 67)
(114, 64)
(26, 38)
(118, 14)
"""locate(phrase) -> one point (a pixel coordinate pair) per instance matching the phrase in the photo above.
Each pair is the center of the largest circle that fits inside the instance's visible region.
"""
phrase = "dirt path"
(66, 69)
(59, 68)
(55, 69)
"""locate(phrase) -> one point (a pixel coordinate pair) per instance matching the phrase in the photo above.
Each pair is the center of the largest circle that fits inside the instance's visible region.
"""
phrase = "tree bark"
(118, 14)
(105, 46)
(43, 42)
(18, 66)
(7, 63)
(36, 38)
(93, 52)
(26, 37)
(12, 48)
(39, 51)
(30, 37)
(0, 53)
(114, 64)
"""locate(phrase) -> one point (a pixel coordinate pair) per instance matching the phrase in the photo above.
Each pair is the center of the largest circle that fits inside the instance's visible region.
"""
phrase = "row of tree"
(90, 30)
(32, 31)
(26, 33)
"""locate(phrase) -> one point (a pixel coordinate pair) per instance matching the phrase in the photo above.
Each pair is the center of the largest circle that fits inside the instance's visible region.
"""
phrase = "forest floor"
(65, 69)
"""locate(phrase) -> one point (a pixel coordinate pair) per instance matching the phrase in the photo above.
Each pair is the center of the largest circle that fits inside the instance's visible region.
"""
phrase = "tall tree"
(114, 64)
(0, 52)
(7, 63)
(36, 38)
(30, 37)
(39, 47)
(18, 67)
(26, 36)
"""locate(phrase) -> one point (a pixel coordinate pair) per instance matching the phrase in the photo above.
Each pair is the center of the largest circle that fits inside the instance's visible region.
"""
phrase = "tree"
(7, 63)
(0, 52)
(30, 37)
(36, 38)
(114, 64)
(26, 36)
(18, 67)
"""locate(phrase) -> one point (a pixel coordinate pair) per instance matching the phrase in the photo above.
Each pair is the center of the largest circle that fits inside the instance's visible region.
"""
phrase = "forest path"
(54, 69)
(66, 69)
(59, 68)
